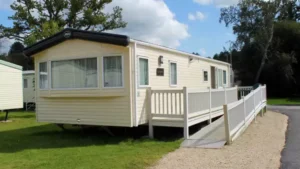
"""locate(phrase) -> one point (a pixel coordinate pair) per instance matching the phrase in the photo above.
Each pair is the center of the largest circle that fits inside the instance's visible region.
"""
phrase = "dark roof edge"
(69, 33)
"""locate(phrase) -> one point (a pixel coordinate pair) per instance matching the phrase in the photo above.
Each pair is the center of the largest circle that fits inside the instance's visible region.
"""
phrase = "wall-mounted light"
(160, 60)
(191, 59)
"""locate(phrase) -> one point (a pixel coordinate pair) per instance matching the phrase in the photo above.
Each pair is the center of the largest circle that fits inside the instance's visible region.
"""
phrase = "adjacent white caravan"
(29, 89)
(92, 78)
(11, 90)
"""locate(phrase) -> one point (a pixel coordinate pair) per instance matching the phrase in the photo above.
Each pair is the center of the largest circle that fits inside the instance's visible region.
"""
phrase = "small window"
(173, 73)
(224, 77)
(43, 75)
(144, 71)
(112, 71)
(205, 76)
(25, 83)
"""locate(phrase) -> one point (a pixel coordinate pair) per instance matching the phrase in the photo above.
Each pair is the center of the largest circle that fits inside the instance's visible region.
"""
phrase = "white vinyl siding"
(74, 74)
(112, 71)
(11, 88)
(173, 74)
(43, 75)
(143, 72)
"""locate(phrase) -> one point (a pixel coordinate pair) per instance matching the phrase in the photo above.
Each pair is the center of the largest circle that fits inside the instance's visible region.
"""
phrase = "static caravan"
(11, 90)
(92, 78)
(29, 89)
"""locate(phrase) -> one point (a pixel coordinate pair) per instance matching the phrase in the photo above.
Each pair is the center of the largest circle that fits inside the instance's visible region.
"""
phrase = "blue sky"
(188, 25)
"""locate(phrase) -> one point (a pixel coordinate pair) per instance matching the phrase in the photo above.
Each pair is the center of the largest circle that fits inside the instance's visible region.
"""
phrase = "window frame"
(170, 71)
(139, 73)
(75, 58)
(205, 81)
(48, 74)
(122, 62)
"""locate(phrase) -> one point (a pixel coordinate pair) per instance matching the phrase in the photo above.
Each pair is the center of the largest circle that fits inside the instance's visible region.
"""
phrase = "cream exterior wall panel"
(189, 74)
(29, 92)
(11, 88)
(98, 106)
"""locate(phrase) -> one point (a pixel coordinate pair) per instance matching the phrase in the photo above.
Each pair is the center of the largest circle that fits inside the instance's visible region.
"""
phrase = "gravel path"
(259, 147)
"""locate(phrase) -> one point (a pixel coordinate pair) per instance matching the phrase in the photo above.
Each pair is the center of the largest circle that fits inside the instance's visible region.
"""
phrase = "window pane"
(79, 73)
(144, 74)
(43, 72)
(205, 75)
(173, 74)
(112, 67)
(25, 83)
(224, 76)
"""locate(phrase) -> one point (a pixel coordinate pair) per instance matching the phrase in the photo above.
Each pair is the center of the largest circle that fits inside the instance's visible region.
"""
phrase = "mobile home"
(29, 89)
(93, 78)
(11, 93)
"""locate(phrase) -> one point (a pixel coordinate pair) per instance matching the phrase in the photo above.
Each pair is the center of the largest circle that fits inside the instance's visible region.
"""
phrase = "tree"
(253, 20)
(34, 20)
(16, 56)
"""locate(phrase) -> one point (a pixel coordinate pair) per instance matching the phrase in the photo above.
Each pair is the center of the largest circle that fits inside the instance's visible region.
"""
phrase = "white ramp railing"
(238, 115)
(188, 106)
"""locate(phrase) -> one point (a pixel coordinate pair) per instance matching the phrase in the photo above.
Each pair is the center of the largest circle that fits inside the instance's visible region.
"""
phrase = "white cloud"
(218, 3)
(191, 17)
(5, 44)
(197, 16)
(151, 21)
(5, 4)
(202, 52)
(203, 2)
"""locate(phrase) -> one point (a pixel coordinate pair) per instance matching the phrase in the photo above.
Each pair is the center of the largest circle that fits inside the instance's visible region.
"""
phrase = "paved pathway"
(291, 153)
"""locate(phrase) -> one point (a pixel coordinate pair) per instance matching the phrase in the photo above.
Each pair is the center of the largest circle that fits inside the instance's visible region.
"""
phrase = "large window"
(77, 73)
(144, 72)
(173, 74)
(224, 77)
(112, 71)
(43, 75)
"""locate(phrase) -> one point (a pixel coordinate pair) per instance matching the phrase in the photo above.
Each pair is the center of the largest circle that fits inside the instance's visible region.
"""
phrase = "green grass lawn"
(283, 101)
(26, 144)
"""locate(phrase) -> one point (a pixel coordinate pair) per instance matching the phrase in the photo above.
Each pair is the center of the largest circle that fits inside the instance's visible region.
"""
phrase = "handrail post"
(261, 100)
(151, 134)
(209, 105)
(225, 94)
(245, 115)
(254, 109)
(227, 125)
(185, 112)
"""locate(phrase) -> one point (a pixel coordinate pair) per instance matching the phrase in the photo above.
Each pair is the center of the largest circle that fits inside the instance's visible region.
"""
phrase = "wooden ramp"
(211, 136)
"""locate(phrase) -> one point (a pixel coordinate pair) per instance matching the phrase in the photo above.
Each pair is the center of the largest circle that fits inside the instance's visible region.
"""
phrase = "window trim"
(139, 73)
(170, 78)
(39, 79)
(122, 62)
(205, 70)
(58, 89)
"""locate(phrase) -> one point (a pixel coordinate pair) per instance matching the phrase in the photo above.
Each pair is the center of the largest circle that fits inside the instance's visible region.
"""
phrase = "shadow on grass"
(50, 136)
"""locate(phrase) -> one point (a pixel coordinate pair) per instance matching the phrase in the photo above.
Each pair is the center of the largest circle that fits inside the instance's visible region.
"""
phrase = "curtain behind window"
(173, 74)
(144, 74)
(112, 68)
(79, 73)
(43, 75)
